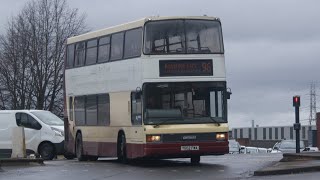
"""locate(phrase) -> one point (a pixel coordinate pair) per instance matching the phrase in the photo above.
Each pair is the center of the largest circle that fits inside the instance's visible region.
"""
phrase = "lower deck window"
(92, 110)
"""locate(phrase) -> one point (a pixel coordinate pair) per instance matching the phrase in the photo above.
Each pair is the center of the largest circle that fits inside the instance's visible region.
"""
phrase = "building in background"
(268, 136)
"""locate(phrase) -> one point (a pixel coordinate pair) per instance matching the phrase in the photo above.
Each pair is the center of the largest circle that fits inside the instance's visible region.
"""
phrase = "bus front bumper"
(175, 150)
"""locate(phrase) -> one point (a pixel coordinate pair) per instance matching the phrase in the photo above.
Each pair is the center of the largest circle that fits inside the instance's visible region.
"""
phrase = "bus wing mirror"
(138, 95)
(229, 93)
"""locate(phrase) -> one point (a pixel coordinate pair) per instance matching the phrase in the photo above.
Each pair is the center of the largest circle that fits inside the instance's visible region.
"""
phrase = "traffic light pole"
(297, 128)
(297, 125)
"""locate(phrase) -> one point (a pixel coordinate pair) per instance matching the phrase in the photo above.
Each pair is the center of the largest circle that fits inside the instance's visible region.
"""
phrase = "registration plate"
(189, 148)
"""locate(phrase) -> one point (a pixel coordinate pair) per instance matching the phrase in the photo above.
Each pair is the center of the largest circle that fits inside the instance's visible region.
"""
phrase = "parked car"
(44, 132)
(312, 149)
(242, 149)
(251, 150)
(287, 146)
(263, 150)
(269, 150)
(234, 147)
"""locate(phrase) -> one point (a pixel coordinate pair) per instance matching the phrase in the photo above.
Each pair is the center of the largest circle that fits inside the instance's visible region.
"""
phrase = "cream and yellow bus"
(152, 88)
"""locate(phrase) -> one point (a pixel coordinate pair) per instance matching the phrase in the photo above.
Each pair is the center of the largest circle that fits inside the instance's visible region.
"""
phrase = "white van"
(44, 132)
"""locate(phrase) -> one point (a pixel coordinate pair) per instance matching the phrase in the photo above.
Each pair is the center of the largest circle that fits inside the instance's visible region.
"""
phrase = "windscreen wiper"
(211, 118)
(163, 122)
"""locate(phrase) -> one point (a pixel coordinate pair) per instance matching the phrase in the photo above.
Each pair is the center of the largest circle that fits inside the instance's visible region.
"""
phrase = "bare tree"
(32, 54)
(13, 65)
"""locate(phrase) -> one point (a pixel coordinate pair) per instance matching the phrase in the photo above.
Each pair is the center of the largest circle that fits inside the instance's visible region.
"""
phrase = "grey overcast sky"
(272, 47)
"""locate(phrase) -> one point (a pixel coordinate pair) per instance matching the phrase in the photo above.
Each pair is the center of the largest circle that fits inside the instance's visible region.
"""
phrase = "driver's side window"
(27, 121)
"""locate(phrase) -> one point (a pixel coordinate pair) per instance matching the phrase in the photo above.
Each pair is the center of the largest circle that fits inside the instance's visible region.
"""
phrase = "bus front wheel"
(79, 148)
(122, 149)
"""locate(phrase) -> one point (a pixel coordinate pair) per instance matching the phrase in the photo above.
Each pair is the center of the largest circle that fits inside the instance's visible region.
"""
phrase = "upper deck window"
(91, 52)
(117, 46)
(104, 49)
(183, 36)
(133, 42)
(80, 52)
(70, 55)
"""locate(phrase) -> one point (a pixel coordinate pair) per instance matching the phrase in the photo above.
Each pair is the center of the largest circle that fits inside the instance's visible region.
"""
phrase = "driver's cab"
(185, 103)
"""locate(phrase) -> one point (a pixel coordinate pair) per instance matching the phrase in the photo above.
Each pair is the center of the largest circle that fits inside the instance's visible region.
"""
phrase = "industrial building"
(272, 133)
(267, 136)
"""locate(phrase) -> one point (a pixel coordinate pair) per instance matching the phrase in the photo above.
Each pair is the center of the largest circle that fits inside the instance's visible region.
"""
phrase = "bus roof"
(130, 25)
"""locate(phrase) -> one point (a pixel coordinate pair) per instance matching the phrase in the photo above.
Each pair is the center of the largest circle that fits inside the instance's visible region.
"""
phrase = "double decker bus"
(152, 88)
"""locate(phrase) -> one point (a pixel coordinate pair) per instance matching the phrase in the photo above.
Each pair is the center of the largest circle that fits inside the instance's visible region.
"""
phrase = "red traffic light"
(296, 101)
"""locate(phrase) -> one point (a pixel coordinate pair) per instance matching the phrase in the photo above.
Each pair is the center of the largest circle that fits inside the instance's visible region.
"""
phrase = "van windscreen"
(48, 118)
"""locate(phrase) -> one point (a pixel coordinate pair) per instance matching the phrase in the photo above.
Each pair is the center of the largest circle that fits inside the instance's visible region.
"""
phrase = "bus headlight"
(153, 138)
(220, 136)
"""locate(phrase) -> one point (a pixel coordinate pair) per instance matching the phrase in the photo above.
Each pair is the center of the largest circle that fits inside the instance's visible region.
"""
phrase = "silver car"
(287, 146)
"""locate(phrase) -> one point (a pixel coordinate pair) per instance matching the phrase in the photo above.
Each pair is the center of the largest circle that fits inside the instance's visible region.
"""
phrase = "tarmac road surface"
(232, 166)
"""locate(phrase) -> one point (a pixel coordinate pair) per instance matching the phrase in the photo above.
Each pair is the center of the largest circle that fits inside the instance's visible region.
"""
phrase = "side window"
(70, 56)
(79, 110)
(104, 49)
(24, 120)
(18, 119)
(136, 111)
(91, 54)
(104, 109)
(117, 46)
(133, 42)
(79, 56)
(91, 110)
(34, 124)
(27, 121)
(216, 103)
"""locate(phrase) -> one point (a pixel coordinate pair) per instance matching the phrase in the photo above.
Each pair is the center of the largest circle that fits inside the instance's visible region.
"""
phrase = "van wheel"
(195, 160)
(46, 151)
(79, 148)
(122, 149)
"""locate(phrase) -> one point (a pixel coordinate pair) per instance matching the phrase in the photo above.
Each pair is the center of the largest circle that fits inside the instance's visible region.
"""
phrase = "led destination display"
(201, 67)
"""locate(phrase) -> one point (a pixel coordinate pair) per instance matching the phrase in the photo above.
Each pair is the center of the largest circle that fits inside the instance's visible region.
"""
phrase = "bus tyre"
(79, 148)
(122, 149)
(195, 160)
(46, 151)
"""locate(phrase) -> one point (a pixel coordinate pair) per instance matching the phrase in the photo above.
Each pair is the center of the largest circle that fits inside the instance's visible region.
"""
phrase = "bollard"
(18, 143)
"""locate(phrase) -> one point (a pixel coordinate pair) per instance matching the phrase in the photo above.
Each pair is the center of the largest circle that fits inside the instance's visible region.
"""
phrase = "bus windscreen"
(183, 37)
(185, 103)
